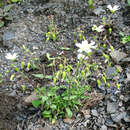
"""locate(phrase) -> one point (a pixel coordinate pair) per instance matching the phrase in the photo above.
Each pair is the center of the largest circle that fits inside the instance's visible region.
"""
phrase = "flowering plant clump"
(114, 8)
(98, 29)
(69, 83)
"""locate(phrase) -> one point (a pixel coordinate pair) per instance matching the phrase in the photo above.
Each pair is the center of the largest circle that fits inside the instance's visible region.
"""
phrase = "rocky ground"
(109, 108)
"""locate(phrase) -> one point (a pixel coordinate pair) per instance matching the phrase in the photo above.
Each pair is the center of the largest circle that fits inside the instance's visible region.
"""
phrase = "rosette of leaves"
(5, 15)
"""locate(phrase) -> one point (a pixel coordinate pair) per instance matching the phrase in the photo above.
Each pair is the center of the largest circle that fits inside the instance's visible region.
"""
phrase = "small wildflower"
(85, 47)
(98, 29)
(10, 56)
(113, 9)
(80, 56)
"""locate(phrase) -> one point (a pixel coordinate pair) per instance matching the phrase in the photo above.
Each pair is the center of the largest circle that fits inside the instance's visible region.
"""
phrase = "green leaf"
(34, 66)
(43, 89)
(124, 40)
(48, 77)
(69, 112)
(12, 77)
(88, 87)
(98, 82)
(41, 76)
(36, 103)
(128, 38)
(128, 2)
(90, 2)
(7, 8)
(46, 114)
(1, 3)
(50, 94)
(73, 97)
(14, 1)
(1, 81)
(48, 56)
(44, 98)
(122, 34)
(53, 107)
(1, 75)
(9, 17)
(1, 23)
(66, 98)
(53, 120)
(65, 48)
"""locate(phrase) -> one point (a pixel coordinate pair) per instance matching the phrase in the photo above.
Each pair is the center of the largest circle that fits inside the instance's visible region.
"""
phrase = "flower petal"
(116, 7)
(109, 7)
(81, 56)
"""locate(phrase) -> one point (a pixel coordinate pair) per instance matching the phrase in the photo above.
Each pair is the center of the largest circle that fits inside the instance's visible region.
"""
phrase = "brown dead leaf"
(86, 112)
(68, 120)
(94, 98)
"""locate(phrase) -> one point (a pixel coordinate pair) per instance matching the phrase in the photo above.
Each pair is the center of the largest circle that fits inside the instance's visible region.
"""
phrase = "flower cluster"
(85, 47)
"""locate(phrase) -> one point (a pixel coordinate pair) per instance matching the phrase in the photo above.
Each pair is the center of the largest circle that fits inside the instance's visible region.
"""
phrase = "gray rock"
(102, 87)
(112, 107)
(120, 104)
(94, 127)
(8, 36)
(86, 123)
(100, 109)
(94, 113)
(125, 60)
(128, 77)
(110, 123)
(98, 10)
(128, 48)
(28, 100)
(100, 121)
(7, 39)
(128, 109)
(113, 98)
(127, 118)
(126, 99)
(47, 127)
(116, 117)
(117, 56)
(121, 97)
(39, 128)
(13, 94)
(103, 127)
(87, 116)
(110, 72)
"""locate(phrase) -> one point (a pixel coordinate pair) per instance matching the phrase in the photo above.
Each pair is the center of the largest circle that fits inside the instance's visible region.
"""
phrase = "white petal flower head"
(85, 47)
(82, 46)
(10, 56)
(114, 8)
(80, 56)
(98, 29)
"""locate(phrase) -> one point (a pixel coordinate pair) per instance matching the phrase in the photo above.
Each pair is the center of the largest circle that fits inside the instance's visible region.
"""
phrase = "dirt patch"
(8, 108)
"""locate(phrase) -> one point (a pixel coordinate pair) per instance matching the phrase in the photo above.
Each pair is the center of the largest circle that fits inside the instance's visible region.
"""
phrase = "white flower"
(80, 56)
(85, 47)
(98, 29)
(114, 8)
(10, 56)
